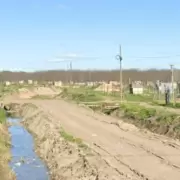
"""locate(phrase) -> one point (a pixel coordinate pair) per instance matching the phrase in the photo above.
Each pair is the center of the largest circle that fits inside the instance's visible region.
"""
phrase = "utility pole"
(172, 82)
(119, 57)
(70, 71)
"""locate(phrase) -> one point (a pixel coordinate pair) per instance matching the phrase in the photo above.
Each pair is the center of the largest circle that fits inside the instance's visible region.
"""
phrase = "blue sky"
(33, 33)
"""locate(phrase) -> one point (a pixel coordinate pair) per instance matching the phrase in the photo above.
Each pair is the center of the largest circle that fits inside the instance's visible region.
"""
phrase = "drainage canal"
(25, 163)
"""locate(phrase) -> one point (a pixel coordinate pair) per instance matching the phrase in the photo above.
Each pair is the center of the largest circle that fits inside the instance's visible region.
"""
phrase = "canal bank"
(5, 146)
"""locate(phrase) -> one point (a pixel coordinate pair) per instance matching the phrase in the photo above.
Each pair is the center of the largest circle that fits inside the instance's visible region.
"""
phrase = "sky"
(47, 34)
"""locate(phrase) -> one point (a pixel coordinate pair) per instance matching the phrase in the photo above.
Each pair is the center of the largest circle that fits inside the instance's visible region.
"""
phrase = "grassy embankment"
(156, 120)
(5, 172)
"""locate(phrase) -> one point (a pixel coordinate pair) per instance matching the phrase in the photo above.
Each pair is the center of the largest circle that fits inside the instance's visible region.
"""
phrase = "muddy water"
(25, 163)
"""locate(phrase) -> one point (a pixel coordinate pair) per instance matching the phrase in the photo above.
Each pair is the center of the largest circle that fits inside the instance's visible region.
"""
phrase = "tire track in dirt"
(71, 116)
(141, 146)
(135, 172)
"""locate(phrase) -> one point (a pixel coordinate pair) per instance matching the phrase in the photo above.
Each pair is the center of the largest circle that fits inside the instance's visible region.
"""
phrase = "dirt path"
(131, 152)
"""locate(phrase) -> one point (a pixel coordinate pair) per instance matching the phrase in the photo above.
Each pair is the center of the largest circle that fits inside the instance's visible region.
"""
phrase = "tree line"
(93, 75)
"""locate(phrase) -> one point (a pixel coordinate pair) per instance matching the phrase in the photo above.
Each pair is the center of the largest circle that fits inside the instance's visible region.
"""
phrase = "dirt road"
(133, 153)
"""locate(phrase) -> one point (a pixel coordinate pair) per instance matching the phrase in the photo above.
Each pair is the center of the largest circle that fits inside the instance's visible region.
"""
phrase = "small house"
(7, 83)
(30, 81)
(21, 82)
(58, 83)
(136, 89)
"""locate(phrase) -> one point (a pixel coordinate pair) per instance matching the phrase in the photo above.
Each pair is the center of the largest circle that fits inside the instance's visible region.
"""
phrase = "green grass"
(145, 116)
(139, 97)
(176, 106)
(88, 94)
(135, 111)
(2, 116)
(72, 139)
(81, 95)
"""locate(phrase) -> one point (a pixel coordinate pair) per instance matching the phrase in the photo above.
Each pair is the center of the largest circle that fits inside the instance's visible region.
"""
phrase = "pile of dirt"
(65, 160)
(38, 92)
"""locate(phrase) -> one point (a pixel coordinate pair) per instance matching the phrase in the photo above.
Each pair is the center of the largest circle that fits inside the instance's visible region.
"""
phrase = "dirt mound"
(65, 160)
(25, 93)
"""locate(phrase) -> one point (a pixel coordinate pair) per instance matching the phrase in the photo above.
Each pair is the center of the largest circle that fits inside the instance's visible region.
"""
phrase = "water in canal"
(25, 162)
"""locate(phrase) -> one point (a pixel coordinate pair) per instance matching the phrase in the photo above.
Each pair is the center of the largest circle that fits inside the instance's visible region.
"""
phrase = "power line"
(68, 59)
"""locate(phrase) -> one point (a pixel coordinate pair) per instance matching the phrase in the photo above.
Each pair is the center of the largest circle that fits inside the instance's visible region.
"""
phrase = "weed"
(72, 139)
(67, 136)
(170, 105)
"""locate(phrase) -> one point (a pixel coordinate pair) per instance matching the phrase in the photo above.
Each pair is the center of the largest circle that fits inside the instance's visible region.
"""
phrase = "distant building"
(21, 82)
(136, 89)
(161, 86)
(58, 83)
(30, 82)
(7, 83)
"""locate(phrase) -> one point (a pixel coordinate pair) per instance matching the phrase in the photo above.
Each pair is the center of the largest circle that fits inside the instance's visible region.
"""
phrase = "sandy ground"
(26, 93)
(118, 152)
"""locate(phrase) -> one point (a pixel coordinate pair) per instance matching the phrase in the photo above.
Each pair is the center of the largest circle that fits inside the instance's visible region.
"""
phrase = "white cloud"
(71, 57)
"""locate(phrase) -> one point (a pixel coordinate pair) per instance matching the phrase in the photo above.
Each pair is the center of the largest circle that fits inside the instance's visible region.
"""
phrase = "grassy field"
(86, 94)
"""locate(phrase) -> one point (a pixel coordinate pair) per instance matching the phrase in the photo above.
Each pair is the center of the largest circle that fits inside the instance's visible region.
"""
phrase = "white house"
(30, 82)
(7, 83)
(58, 83)
(21, 82)
(137, 89)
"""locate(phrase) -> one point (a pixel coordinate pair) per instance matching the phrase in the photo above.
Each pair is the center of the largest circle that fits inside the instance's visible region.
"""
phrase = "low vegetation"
(81, 95)
(170, 105)
(159, 121)
(72, 139)
(153, 118)
(2, 116)
(88, 94)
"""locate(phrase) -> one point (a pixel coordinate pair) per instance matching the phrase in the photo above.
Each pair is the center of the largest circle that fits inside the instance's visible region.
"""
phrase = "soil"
(115, 152)
(5, 156)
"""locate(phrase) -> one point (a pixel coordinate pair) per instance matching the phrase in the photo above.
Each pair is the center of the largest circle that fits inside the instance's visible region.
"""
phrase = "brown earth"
(116, 152)
(5, 156)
